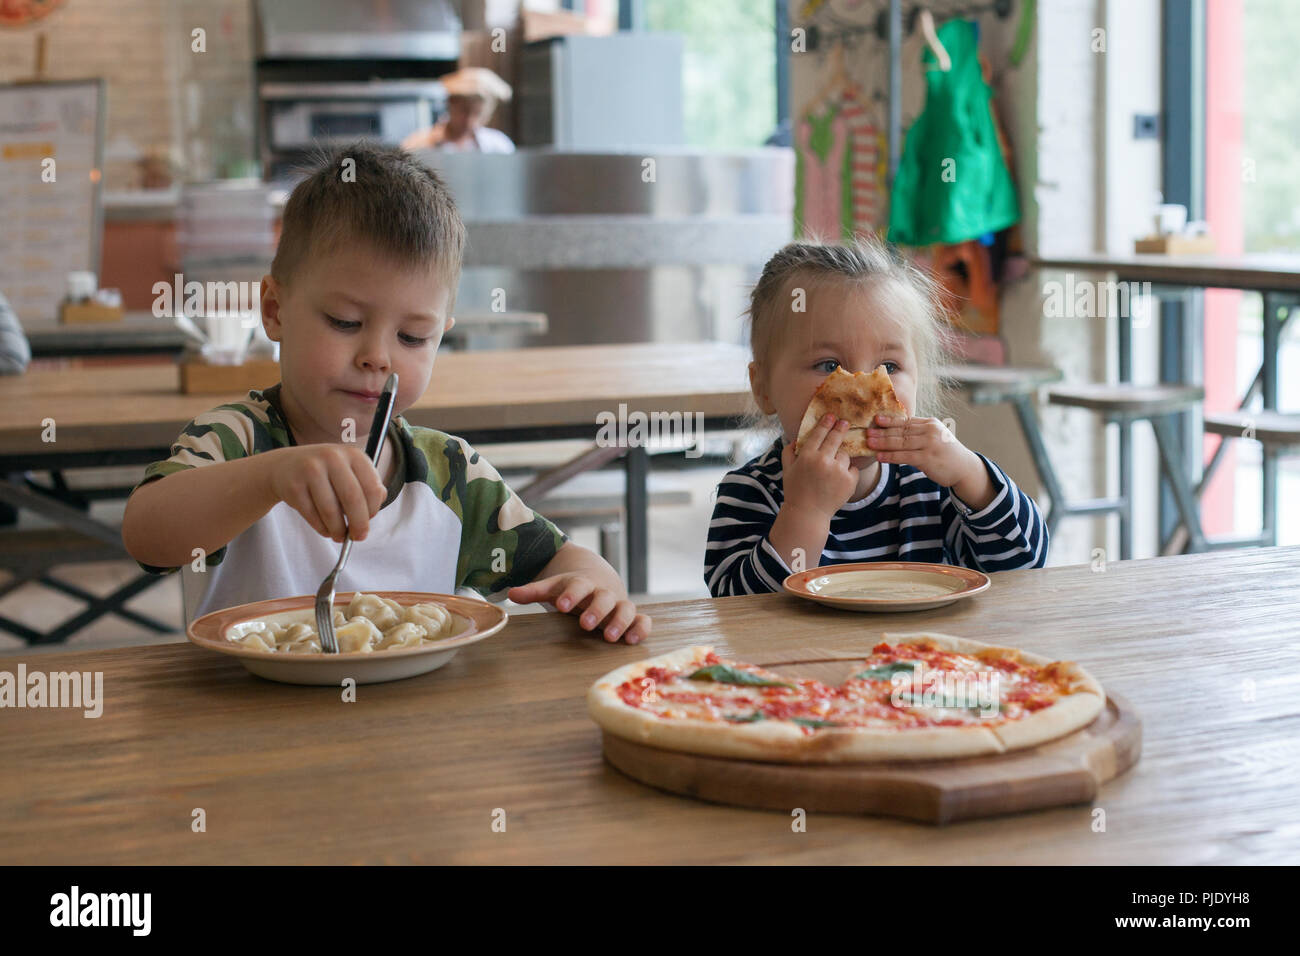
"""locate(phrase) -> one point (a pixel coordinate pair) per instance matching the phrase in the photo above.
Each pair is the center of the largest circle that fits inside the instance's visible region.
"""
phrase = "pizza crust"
(777, 742)
(1068, 714)
(1065, 716)
(856, 398)
(854, 443)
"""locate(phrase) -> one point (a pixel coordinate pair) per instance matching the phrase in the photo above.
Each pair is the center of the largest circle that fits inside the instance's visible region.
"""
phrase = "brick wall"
(162, 99)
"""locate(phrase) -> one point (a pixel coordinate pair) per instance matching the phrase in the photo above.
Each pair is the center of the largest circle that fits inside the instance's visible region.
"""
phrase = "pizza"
(857, 398)
(914, 697)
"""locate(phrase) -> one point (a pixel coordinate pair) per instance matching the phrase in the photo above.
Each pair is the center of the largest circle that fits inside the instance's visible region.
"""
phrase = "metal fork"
(374, 446)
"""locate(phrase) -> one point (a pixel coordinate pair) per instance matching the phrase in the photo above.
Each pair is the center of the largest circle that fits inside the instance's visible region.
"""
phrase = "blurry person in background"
(472, 95)
(15, 352)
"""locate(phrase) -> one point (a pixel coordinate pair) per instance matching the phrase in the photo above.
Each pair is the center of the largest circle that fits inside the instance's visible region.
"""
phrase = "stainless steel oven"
(333, 71)
(301, 115)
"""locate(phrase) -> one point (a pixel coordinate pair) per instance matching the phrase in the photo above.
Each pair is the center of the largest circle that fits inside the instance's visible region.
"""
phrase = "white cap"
(477, 81)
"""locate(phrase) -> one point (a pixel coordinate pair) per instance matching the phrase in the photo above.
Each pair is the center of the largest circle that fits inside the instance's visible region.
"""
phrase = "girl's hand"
(819, 480)
(927, 444)
(576, 593)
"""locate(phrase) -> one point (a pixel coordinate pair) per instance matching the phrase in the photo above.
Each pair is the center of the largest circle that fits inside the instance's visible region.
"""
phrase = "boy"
(362, 284)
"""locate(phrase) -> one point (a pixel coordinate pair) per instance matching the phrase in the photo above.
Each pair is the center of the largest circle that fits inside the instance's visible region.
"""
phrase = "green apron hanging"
(952, 183)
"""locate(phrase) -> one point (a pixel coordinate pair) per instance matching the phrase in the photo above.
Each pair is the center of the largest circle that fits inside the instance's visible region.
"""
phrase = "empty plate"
(886, 585)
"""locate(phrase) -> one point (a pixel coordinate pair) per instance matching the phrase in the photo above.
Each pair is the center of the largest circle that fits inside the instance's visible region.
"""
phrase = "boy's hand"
(819, 479)
(927, 444)
(577, 593)
(325, 483)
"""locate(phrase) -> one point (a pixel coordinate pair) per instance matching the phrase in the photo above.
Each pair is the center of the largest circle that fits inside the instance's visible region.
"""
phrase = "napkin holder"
(201, 377)
(1176, 245)
(77, 313)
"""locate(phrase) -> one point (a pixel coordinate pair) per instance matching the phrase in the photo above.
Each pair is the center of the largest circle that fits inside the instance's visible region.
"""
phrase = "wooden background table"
(506, 392)
(123, 415)
(1276, 276)
(413, 771)
(143, 333)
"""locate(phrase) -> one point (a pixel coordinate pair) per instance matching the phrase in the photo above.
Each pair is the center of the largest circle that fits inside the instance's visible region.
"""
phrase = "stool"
(1017, 386)
(1279, 434)
(1124, 404)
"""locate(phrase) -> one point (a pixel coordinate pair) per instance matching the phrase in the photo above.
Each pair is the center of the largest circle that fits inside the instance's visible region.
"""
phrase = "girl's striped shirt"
(906, 517)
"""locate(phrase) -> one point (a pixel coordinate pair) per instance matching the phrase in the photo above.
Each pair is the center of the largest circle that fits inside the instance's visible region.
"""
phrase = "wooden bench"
(1279, 434)
(1018, 386)
(1125, 403)
(1279, 431)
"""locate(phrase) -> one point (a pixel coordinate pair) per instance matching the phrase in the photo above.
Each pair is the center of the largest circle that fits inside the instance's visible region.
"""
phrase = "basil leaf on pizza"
(887, 671)
(725, 674)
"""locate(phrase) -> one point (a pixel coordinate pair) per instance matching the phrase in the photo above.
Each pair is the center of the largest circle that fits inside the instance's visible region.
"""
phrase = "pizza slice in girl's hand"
(857, 398)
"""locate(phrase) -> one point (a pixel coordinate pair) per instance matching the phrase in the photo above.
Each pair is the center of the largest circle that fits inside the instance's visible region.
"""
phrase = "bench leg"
(1177, 540)
(1171, 461)
(102, 606)
(109, 604)
(542, 485)
(1033, 432)
(98, 607)
(637, 464)
(1126, 489)
(18, 495)
(1269, 468)
(611, 545)
(20, 577)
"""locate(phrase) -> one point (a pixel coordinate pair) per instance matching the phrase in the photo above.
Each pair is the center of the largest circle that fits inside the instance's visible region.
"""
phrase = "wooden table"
(1276, 276)
(413, 771)
(145, 333)
(131, 414)
(1258, 272)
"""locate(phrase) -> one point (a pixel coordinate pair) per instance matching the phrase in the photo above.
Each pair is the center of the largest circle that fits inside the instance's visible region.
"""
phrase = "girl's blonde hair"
(913, 297)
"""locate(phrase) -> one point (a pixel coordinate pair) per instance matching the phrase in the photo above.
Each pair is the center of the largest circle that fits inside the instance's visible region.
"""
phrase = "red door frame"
(1226, 169)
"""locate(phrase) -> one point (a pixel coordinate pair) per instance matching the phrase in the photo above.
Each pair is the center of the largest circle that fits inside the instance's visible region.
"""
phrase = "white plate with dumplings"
(382, 635)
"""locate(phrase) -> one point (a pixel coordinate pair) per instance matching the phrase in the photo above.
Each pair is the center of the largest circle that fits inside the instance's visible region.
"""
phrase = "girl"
(923, 497)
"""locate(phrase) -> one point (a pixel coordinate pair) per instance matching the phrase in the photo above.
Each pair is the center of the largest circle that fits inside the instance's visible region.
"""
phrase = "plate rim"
(218, 621)
(977, 581)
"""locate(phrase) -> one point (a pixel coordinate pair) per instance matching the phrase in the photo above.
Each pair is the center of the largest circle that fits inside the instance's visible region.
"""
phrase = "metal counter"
(620, 247)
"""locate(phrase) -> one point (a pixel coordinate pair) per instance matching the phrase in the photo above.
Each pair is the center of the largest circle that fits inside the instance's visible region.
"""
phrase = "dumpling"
(270, 631)
(384, 613)
(358, 634)
(311, 646)
(339, 618)
(434, 618)
(266, 629)
(256, 641)
(295, 633)
(405, 634)
(392, 615)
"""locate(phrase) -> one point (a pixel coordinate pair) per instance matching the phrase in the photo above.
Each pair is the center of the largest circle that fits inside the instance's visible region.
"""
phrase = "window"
(1252, 195)
(729, 68)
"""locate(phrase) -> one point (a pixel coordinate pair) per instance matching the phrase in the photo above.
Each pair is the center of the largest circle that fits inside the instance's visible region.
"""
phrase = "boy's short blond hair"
(379, 195)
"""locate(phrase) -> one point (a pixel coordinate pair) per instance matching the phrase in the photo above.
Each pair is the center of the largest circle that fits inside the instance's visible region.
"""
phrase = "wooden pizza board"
(1068, 770)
